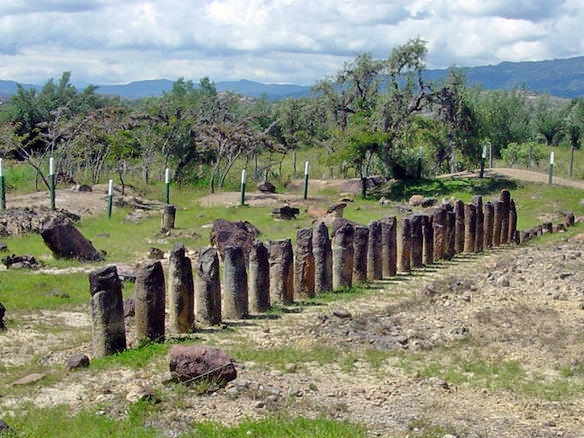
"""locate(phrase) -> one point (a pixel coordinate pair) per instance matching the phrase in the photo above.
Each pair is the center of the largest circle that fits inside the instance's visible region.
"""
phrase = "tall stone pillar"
(323, 259)
(489, 213)
(506, 199)
(374, 252)
(208, 287)
(404, 245)
(440, 224)
(459, 227)
(149, 301)
(389, 246)
(281, 271)
(470, 224)
(181, 291)
(499, 212)
(360, 246)
(107, 312)
(512, 222)
(235, 293)
(480, 223)
(304, 268)
(428, 236)
(343, 253)
(416, 259)
(259, 278)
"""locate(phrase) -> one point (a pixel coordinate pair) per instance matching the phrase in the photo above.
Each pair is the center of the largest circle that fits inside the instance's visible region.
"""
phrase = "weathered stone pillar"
(374, 260)
(470, 224)
(440, 225)
(404, 247)
(416, 258)
(459, 227)
(304, 264)
(235, 293)
(428, 237)
(343, 253)
(506, 199)
(259, 278)
(168, 217)
(107, 312)
(281, 271)
(499, 209)
(512, 222)
(181, 291)
(360, 246)
(480, 223)
(450, 234)
(323, 259)
(489, 213)
(208, 287)
(389, 246)
(569, 219)
(149, 301)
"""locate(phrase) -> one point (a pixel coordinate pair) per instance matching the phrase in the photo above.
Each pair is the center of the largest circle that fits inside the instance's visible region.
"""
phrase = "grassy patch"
(134, 358)
(281, 427)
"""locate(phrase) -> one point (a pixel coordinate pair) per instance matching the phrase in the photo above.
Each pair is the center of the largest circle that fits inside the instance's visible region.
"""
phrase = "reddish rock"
(190, 363)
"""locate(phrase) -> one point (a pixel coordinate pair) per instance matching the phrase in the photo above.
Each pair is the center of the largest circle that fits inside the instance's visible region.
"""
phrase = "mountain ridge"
(558, 77)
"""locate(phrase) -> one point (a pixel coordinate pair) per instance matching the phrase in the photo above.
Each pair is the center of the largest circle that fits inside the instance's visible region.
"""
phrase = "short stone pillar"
(107, 312)
(470, 224)
(304, 264)
(480, 223)
(181, 291)
(389, 246)
(459, 227)
(374, 252)
(343, 253)
(489, 213)
(499, 212)
(323, 259)
(360, 247)
(168, 217)
(416, 259)
(506, 199)
(428, 237)
(404, 245)
(149, 301)
(569, 219)
(207, 287)
(235, 293)
(513, 222)
(259, 278)
(440, 224)
(281, 271)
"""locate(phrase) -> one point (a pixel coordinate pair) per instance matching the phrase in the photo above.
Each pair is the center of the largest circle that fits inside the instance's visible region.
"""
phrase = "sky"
(270, 41)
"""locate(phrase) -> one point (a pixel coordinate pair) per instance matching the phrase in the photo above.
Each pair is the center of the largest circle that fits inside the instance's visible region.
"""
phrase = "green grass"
(140, 422)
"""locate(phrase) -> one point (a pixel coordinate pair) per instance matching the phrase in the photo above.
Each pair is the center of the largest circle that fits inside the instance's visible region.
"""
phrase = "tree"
(548, 120)
(574, 125)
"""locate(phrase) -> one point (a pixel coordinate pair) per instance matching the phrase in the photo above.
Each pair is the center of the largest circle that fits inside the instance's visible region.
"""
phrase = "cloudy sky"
(271, 41)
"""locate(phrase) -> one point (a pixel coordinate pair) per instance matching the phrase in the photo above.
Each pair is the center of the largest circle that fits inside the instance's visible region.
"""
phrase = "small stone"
(341, 312)
(155, 254)
(503, 282)
(77, 361)
(260, 405)
(139, 392)
(31, 378)
(5, 428)
(272, 398)
(290, 367)
(232, 392)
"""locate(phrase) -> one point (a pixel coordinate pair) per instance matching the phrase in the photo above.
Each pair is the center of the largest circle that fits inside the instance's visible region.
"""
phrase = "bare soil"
(510, 307)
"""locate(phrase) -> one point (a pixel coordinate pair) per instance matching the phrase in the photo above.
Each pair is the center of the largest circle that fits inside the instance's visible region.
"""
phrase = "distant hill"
(558, 77)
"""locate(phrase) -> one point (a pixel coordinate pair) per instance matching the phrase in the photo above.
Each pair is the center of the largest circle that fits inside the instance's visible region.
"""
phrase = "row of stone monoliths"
(272, 274)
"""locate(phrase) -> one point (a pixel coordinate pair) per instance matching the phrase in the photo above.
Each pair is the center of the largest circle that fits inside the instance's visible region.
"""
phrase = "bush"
(523, 154)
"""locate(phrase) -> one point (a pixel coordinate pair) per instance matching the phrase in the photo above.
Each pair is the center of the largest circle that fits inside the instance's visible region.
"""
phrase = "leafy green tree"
(548, 119)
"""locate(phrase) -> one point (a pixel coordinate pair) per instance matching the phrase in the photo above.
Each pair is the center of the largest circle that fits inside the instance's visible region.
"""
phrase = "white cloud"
(300, 41)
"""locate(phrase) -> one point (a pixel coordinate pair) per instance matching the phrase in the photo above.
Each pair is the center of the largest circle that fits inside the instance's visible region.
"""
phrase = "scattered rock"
(5, 429)
(290, 367)
(416, 200)
(226, 233)
(286, 212)
(266, 187)
(191, 363)
(65, 241)
(341, 312)
(139, 392)
(31, 378)
(155, 253)
(3, 247)
(77, 361)
(19, 262)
